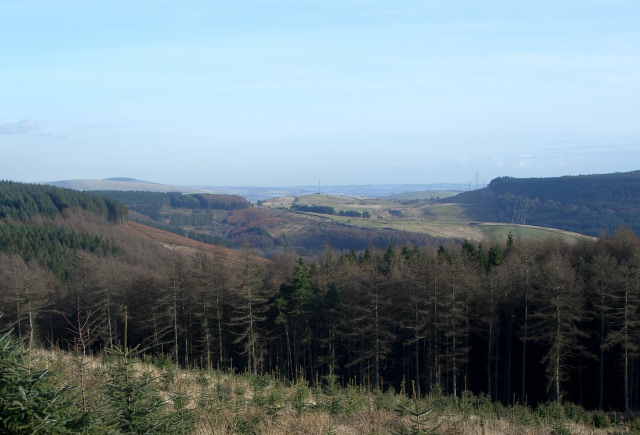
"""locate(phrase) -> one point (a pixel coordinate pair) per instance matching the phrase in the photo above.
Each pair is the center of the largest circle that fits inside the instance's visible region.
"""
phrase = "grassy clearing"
(500, 231)
(121, 393)
(438, 220)
(425, 195)
(462, 230)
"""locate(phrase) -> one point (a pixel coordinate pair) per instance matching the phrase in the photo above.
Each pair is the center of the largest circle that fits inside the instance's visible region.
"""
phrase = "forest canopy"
(511, 319)
(586, 204)
(21, 201)
(150, 203)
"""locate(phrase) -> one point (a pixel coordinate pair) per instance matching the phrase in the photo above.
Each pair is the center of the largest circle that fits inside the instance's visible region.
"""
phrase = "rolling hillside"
(308, 223)
(537, 208)
(586, 204)
(52, 226)
(123, 184)
(63, 256)
(232, 222)
(416, 221)
(62, 248)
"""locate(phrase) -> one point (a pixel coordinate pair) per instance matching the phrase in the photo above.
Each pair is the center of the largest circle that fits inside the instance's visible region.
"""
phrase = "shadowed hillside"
(587, 204)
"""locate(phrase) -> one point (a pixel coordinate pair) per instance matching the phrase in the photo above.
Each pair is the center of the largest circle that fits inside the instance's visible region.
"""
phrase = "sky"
(285, 93)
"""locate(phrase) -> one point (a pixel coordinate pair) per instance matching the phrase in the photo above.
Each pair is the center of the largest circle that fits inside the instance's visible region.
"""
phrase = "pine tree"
(250, 309)
(624, 331)
(454, 310)
(297, 303)
(31, 401)
(134, 402)
(559, 309)
(602, 286)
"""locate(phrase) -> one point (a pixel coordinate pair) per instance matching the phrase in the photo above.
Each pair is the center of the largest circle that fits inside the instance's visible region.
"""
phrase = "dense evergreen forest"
(518, 321)
(21, 201)
(30, 224)
(151, 203)
(586, 204)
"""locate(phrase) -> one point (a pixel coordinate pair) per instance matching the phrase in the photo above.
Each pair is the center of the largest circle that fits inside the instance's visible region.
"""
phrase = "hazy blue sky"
(295, 92)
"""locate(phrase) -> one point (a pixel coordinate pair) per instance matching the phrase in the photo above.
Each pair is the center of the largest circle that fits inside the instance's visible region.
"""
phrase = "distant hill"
(256, 194)
(261, 193)
(309, 223)
(586, 204)
(124, 184)
(231, 221)
(53, 227)
(122, 179)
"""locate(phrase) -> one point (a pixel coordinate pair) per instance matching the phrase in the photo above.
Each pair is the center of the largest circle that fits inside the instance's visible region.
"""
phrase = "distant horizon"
(347, 92)
(473, 182)
(131, 179)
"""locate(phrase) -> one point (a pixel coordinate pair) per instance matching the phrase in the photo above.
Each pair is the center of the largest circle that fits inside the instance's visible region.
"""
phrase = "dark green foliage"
(199, 217)
(586, 204)
(134, 401)
(21, 201)
(31, 401)
(192, 219)
(350, 213)
(342, 237)
(151, 203)
(495, 257)
(50, 246)
(146, 203)
(561, 429)
(634, 426)
(601, 420)
(209, 201)
(552, 412)
(578, 414)
(322, 209)
(301, 394)
(296, 304)
(247, 423)
(131, 400)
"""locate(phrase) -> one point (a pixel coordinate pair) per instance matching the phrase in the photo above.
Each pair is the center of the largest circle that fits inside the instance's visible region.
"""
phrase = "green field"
(426, 217)
(426, 195)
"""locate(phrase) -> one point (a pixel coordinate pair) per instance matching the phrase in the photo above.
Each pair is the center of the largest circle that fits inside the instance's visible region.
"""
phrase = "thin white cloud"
(25, 126)
(523, 164)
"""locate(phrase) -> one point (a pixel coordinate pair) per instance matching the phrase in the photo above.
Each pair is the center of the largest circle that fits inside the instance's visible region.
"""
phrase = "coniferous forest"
(586, 204)
(518, 321)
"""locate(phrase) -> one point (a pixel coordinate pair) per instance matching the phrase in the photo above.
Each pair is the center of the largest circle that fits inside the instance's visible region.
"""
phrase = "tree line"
(586, 204)
(21, 201)
(326, 209)
(152, 203)
(519, 321)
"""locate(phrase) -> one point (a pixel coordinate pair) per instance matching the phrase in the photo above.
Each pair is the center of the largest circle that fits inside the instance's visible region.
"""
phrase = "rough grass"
(425, 195)
(438, 220)
(218, 402)
(500, 231)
